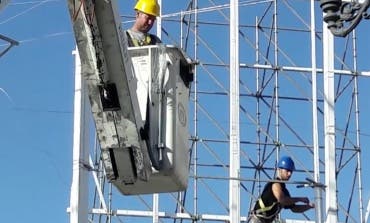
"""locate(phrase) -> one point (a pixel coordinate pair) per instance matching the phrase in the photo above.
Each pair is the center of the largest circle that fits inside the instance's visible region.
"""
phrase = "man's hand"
(299, 208)
(312, 205)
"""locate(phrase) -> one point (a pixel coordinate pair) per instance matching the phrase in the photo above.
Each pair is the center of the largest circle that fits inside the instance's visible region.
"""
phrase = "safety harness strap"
(263, 208)
(145, 42)
(134, 42)
(261, 213)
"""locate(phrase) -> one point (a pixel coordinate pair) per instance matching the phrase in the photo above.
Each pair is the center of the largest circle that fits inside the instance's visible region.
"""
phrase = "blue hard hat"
(286, 163)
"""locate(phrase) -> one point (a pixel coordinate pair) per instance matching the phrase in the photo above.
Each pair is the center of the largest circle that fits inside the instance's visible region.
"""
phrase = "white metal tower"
(270, 81)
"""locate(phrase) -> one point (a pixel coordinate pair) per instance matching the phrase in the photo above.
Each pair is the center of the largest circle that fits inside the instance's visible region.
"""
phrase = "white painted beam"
(234, 171)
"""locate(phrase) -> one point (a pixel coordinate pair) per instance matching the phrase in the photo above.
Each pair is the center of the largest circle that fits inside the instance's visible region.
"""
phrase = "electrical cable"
(25, 11)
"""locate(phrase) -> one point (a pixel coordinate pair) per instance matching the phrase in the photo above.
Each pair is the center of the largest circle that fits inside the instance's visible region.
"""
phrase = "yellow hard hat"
(150, 7)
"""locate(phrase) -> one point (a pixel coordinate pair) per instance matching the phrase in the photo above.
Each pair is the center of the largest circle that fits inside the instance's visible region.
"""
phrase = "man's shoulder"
(278, 185)
(155, 38)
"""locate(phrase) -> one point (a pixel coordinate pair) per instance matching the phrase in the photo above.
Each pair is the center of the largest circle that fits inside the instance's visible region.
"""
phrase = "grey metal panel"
(104, 59)
(158, 68)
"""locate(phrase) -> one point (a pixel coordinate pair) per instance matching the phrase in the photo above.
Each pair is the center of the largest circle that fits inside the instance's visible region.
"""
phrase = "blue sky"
(37, 86)
(36, 114)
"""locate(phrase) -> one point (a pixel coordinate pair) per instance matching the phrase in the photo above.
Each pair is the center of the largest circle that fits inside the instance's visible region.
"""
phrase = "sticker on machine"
(181, 114)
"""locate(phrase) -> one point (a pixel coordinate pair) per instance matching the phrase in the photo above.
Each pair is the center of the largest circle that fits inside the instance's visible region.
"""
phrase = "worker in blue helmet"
(275, 196)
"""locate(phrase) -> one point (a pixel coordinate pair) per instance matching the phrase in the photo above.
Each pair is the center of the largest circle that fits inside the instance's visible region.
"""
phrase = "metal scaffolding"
(269, 81)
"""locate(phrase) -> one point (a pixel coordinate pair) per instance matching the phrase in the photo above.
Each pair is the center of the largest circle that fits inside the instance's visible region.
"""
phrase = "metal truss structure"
(269, 81)
(6, 43)
(9, 43)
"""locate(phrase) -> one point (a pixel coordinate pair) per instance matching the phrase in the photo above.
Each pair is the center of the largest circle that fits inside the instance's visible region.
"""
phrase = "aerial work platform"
(164, 75)
(139, 102)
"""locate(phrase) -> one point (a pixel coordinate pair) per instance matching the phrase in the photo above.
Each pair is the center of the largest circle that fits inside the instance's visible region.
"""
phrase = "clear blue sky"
(36, 98)
(36, 115)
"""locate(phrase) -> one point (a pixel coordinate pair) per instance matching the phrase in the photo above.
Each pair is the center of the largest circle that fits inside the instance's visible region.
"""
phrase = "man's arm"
(287, 201)
(299, 208)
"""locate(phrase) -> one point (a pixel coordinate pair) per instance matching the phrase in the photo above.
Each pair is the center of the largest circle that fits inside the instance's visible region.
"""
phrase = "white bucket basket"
(164, 75)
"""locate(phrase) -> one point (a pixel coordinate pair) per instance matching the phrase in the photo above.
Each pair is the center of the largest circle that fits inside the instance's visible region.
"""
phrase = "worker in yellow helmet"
(146, 12)
(275, 196)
